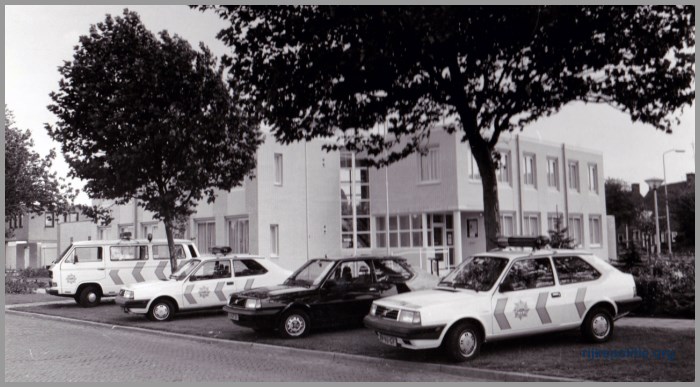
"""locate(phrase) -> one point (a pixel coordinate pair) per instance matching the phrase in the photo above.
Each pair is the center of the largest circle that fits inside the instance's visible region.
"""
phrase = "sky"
(39, 38)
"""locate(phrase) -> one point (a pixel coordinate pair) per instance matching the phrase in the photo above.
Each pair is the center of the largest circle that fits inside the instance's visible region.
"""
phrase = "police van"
(511, 291)
(90, 270)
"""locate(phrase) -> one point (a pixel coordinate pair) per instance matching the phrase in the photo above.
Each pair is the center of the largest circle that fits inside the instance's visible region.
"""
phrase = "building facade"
(305, 203)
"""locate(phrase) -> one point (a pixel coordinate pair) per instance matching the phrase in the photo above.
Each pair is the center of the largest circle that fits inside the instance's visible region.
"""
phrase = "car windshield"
(475, 273)
(185, 269)
(310, 274)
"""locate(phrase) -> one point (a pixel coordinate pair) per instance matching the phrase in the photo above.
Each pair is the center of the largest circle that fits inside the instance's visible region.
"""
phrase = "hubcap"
(295, 325)
(92, 297)
(601, 326)
(467, 343)
(161, 311)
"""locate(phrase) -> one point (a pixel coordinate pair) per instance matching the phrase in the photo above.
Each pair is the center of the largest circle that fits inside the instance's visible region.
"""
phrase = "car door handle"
(229, 283)
(100, 268)
(556, 294)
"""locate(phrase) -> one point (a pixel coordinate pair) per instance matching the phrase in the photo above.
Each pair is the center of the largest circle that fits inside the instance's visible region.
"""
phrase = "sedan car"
(202, 283)
(324, 292)
(507, 293)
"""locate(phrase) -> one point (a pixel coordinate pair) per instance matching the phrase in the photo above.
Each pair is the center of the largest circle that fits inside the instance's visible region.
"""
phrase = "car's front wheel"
(161, 310)
(598, 325)
(294, 323)
(463, 342)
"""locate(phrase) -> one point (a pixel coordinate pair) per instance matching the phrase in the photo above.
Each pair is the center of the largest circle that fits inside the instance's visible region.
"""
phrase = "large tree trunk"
(167, 220)
(489, 187)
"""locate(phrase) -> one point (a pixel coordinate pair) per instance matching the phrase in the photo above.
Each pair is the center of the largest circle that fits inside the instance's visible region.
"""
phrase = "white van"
(90, 270)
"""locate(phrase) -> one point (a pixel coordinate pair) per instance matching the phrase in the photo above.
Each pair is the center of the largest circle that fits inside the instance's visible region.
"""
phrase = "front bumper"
(403, 330)
(626, 306)
(262, 318)
(128, 303)
(53, 292)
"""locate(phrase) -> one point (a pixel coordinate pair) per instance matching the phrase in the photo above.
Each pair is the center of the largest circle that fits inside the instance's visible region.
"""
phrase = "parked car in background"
(323, 293)
(90, 270)
(203, 283)
(506, 293)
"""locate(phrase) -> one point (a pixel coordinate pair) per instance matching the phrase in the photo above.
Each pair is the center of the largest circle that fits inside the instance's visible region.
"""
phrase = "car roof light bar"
(534, 242)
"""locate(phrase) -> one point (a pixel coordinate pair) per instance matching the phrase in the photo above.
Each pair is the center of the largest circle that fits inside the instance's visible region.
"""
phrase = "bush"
(20, 286)
(667, 287)
(34, 273)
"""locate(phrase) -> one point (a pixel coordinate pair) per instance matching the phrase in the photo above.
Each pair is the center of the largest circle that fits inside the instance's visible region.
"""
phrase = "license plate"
(233, 316)
(388, 340)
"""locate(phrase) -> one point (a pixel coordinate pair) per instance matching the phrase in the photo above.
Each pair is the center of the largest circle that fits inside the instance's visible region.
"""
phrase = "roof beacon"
(220, 250)
(534, 242)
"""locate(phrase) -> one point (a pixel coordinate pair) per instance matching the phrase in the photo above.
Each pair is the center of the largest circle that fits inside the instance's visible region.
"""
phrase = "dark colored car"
(322, 293)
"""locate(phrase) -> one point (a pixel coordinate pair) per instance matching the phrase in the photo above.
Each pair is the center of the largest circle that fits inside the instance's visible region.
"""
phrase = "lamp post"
(654, 183)
(668, 217)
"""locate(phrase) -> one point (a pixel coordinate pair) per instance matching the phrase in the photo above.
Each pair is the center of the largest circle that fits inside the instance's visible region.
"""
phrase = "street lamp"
(654, 183)
(668, 218)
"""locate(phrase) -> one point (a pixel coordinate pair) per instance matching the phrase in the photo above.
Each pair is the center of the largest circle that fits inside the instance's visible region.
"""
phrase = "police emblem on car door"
(209, 286)
(524, 298)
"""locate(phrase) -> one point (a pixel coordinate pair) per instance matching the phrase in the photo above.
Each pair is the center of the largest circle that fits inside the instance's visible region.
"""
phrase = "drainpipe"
(520, 186)
(566, 185)
(136, 224)
(306, 192)
(354, 208)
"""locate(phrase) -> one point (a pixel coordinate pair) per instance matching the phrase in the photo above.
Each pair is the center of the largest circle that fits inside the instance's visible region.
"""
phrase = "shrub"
(667, 287)
(34, 273)
(20, 286)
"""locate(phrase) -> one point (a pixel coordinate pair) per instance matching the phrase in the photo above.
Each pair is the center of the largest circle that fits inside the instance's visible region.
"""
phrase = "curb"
(396, 364)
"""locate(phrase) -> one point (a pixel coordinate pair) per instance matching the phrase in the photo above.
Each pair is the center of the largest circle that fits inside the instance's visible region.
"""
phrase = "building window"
(50, 220)
(529, 174)
(555, 222)
(354, 194)
(573, 175)
(503, 170)
(531, 224)
(553, 172)
(576, 229)
(126, 228)
(593, 178)
(429, 165)
(507, 225)
(102, 233)
(16, 222)
(274, 240)
(278, 168)
(238, 236)
(596, 230)
(404, 231)
(149, 229)
(206, 236)
(473, 168)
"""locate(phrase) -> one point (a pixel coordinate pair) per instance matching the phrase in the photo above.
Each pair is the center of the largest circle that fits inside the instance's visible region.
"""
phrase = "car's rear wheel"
(89, 296)
(294, 323)
(161, 310)
(463, 342)
(598, 325)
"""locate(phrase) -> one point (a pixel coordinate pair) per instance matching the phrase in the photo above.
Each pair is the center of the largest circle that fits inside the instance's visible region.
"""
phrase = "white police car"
(506, 293)
(201, 283)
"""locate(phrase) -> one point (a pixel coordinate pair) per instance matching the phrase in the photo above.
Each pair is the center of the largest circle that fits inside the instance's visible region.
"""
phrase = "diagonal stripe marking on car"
(542, 308)
(137, 271)
(114, 275)
(218, 291)
(188, 295)
(160, 270)
(249, 284)
(501, 319)
(580, 304)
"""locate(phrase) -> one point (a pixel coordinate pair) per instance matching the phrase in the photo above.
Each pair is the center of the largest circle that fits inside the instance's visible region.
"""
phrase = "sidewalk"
(651, 322)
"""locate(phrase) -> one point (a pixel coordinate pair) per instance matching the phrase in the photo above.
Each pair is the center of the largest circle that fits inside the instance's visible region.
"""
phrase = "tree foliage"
(30, 186)
(622, 203)
(682, 208)
(150, 118)
(559, 237)
(340, 71)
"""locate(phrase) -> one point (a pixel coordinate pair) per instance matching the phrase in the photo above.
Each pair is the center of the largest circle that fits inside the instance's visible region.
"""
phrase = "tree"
(621, 202)
(150, 119)
(559, 237)
(683, 210)
(30, 186)
(340, 71)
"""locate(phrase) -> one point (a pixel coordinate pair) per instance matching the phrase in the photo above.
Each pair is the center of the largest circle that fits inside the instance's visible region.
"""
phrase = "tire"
(463, 342)
(161, 310)
(294, 324)
(89, 296)
(598, 325)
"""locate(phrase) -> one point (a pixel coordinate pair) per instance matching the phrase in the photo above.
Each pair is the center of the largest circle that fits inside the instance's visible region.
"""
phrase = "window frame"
(556, 270)
(432, 170)
(141, 247)
(274, 240)
(501, 218)
(593, 185)
(527, 217)
(503, 172)
(533, 173)
(555, 279)
(574, 182)
(599, 230)
(278, 169)
(553, 175)
(52, 217)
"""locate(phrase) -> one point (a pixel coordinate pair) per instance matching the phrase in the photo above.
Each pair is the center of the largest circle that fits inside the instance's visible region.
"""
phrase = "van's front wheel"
(89, 296)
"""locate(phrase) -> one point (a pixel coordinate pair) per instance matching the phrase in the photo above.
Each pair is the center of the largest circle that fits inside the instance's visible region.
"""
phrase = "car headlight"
(373, 310)
(410, 317)
(129, 294)
(252, 303)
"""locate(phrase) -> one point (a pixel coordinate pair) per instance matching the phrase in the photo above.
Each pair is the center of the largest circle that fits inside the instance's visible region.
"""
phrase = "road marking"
(137, 271)
(500, 316)
(188, 295)
(114, 275)
(542, 308)
(580, 304)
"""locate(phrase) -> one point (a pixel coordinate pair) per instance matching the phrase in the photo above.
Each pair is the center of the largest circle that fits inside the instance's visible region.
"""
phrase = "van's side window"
(128, 253)
(85, 254)
(162, 252)
(193, 252)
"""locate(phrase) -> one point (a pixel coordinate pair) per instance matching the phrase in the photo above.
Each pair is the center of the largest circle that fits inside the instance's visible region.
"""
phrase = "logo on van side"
(71, 279)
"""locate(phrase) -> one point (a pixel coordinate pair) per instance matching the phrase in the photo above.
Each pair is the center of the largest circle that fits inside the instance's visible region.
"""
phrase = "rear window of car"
(391, 270)
(571, 270)
(247, 267)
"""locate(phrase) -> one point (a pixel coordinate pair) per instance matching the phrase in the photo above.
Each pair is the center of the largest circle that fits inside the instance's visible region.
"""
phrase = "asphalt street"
(38, 350)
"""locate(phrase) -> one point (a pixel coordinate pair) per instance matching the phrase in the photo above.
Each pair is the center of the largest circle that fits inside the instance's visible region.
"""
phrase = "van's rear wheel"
(89, 296)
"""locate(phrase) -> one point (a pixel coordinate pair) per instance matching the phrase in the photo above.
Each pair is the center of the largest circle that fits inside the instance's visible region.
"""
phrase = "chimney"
(690, 178)
(635, 189)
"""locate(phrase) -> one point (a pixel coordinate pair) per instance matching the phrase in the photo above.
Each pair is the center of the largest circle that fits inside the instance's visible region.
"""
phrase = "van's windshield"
(185, 269)
(60, 256)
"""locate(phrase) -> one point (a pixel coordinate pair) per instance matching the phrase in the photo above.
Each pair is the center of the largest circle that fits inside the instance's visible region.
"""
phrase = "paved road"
(53, 351)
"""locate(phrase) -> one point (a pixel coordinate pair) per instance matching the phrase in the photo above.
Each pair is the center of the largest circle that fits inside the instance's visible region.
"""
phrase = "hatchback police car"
(506, 293)
(203, 283)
